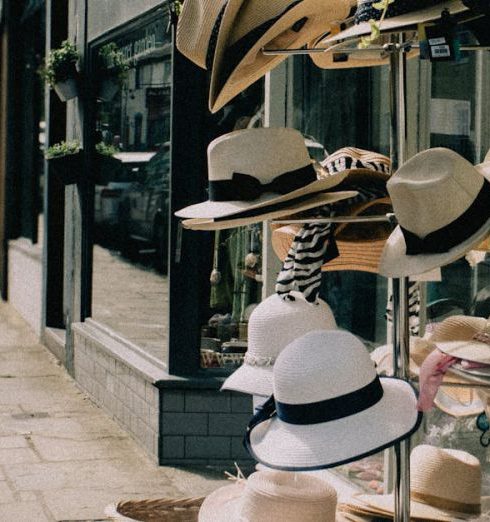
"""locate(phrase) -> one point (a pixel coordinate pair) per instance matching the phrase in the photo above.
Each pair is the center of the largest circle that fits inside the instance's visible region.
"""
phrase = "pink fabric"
(432, 372)
(468, 365)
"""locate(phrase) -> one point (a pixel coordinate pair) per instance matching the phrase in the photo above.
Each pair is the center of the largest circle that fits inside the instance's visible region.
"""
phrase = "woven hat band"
(446, 504)
(331, 409)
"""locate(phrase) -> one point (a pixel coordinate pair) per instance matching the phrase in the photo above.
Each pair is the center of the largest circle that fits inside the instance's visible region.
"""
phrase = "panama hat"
(255, 168)
(347, 55)
(270, 495)
(453, 400)
(280, 24)
(402, 14)
(445, 484)
(288, 319)
(326, 392)
(442, 205)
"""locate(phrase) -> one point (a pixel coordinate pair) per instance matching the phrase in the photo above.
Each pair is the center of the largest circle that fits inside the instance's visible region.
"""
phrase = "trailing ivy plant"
(114, 62)
(382, 5)
(60, 64)
(63, 148)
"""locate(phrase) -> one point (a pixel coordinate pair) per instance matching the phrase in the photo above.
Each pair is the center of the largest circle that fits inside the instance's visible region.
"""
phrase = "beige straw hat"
(407, 20)
(268, 496)
(453, 400)
(287, 319)
(441, 202)
(339, 57)
(275, 24)
(360, 245)
(445, 484)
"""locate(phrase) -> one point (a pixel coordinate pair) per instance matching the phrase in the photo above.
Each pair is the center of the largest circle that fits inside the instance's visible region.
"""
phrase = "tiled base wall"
(204, 427)
(121, 391)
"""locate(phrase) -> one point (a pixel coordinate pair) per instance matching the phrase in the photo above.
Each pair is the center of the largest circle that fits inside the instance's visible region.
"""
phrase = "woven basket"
(162, 510)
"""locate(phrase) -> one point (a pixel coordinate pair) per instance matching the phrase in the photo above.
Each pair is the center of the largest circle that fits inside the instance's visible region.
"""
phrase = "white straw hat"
(442, 205)
(256, 168)
(274, 324)
(268, 496)
(411, 15)
(445, 484)
(329, 407)
(279, 24)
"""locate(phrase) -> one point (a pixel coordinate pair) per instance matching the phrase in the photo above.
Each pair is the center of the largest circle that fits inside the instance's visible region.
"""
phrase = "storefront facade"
(135, 306)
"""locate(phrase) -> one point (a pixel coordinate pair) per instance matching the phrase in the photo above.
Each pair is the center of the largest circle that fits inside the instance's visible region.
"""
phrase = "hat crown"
(276, 322)
(453, 475)
(288, 497)
(264, 153)
(322, 365)
(432, 189)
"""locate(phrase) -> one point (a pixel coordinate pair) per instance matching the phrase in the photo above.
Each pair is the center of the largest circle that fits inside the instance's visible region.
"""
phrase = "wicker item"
(161, 510)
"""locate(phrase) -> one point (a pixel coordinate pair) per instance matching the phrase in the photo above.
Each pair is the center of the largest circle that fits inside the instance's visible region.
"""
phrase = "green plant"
(106, 150)
(113, 61)
(382, 5)
(60, 63)
(63, 148)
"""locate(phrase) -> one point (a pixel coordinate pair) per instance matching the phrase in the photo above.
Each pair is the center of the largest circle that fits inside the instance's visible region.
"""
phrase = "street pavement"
(61, 457)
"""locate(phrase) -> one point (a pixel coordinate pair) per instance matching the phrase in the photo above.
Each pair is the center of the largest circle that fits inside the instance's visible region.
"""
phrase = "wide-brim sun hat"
(326, 392)
(442, 203)
(238, 60)
(288, 319)
(457, 401)
(445, 484)
(268, 496)
(254, 168)
(360, 245)
(265, 213)
(410, 19)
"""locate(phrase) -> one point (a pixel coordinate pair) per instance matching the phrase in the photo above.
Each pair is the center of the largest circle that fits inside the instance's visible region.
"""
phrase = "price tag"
(439, 41)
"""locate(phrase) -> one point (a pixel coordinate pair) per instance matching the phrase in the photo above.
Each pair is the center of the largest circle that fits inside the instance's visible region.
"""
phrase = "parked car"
(108, 195)
(143, 211)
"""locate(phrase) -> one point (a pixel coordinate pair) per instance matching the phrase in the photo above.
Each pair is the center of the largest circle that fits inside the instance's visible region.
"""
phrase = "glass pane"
(130, 284)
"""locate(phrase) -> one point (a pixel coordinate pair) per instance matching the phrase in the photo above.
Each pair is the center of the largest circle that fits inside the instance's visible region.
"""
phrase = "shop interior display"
(319, 388)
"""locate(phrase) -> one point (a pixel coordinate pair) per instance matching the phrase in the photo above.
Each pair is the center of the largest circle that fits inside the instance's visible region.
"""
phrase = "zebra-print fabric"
(413, 308)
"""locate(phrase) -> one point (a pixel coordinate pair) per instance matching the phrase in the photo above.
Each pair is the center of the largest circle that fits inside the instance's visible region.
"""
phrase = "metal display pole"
(401, 485)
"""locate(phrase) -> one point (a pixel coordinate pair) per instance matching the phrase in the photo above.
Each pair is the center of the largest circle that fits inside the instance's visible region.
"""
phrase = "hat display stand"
(397, 49)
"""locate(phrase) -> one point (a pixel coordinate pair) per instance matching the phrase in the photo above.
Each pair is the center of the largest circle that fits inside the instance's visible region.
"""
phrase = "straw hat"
(278, 24)
(441, 202)
(288, 320)
(405, 14)
(268, 496)
(360, 245)
(453, 400)
(327, 393)
(445, 484)
(255, 168)
(339, 57)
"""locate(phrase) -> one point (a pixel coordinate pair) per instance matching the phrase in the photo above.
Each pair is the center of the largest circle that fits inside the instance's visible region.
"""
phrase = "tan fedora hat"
(347, 55)
(360, 245)
(445, 484)
(457, 401)
(279, 24)
(268, 496)
(409, 19)
(441, 203)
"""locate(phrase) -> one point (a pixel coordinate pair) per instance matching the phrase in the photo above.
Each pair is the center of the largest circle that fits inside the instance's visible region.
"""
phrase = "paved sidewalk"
(61, 457)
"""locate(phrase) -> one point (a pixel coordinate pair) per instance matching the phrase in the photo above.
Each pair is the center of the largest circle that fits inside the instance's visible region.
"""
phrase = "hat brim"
(294, 447)
(254, 380)
(254, 64)
(219, 209)
(396, 263)
(470, 350)
(265, 213)
(223, 505)
(384, 504)
(405, 21)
